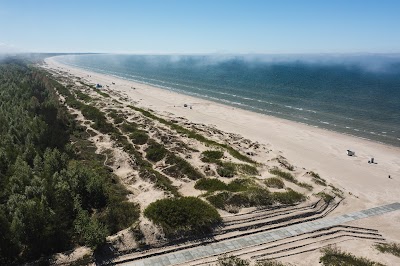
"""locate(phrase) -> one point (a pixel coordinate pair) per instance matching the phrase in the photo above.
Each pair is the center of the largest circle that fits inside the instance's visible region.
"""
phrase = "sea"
(355, 94)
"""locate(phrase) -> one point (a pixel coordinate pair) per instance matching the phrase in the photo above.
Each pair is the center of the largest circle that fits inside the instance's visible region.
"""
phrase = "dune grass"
(194, 135)
(392, 248)
(325, 196)
(254, 197)
(333, 256)
(274, 182)
(285, 175)
(211, 156)
(317, 179)
(213, 184)
(305, 185)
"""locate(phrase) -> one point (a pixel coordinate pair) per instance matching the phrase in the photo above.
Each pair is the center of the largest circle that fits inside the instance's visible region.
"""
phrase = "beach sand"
(322, 151)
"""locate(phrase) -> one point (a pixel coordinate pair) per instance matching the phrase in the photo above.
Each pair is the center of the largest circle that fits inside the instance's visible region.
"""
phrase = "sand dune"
(308, 148)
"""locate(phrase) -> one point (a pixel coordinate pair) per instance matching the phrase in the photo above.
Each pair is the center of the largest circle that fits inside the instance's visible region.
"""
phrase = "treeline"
(53, 194)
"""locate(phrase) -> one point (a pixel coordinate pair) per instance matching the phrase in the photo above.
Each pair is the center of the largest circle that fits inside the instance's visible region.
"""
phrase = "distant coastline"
(366, 123)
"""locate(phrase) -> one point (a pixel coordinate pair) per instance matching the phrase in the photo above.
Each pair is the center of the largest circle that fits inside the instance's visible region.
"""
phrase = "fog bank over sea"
(352, 94)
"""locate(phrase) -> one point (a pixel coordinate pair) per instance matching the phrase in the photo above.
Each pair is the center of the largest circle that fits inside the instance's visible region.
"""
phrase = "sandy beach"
(309, 148)
(305, 146)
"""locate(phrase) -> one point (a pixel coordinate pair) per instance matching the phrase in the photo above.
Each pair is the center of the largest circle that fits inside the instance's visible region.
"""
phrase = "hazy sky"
(215, 26)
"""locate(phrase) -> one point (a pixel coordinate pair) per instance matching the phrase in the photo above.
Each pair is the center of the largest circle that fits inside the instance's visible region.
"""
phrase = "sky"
(202, 26)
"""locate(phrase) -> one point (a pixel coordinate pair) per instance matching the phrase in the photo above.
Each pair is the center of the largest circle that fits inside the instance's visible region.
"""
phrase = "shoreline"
(371, 134)
(304, 145)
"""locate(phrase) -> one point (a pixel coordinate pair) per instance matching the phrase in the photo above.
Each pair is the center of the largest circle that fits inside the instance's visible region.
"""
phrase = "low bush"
(180, 167)
(246, 169)
(139, 137)
(155, 152)
(232, 261)
(210, 184)
(183, 216)
(82, 96)
(211, 156)
(333, 256)
(274, 182)
(252, 197)
(226, 170)
(288, 197)
(120, 215)
(240, 184)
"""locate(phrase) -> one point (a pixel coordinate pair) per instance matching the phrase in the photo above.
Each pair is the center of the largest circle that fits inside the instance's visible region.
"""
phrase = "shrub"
(181, 167)
(120, 215)
(211, 156)
(274, 182)
(183, 216)
(210, 184)
(285, 175)
(226, 170)
(271, 263)
(246, 169)
(240, 184)
(219, 200)
(232, 261)
(139, 137)
(129, 127)
(155, 152)
(333, 256)
(251, 198)
(392, 248)
(288, 197)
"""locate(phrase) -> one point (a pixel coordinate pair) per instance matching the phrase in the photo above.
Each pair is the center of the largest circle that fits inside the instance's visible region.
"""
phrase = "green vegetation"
(139, 137)
(232, 261)
(317, 179)
(55, 191)
(155, 152)
(285, 175)
(289, 177)
(117, 117)
(185, 216)
(333, 256)
(211, 156)
(246, 169)
(236, 261)
(272, 263)
(305, 185)
(325, 196)
(392, 248)
(288, 197)
(194, 135)
(226, 170)
(180, 168)
(212, 184)
(274, 182)
(82, 96)
(101, 93)
(253, 196)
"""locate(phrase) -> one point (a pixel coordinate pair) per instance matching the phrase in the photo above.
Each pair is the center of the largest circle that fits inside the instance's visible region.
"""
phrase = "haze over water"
(357, 94)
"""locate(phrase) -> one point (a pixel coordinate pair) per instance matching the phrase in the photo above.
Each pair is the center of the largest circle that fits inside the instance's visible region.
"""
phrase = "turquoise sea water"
(357, 95)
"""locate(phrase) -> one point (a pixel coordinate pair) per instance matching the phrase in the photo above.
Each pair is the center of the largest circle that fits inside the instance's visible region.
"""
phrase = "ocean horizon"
(357, 95)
